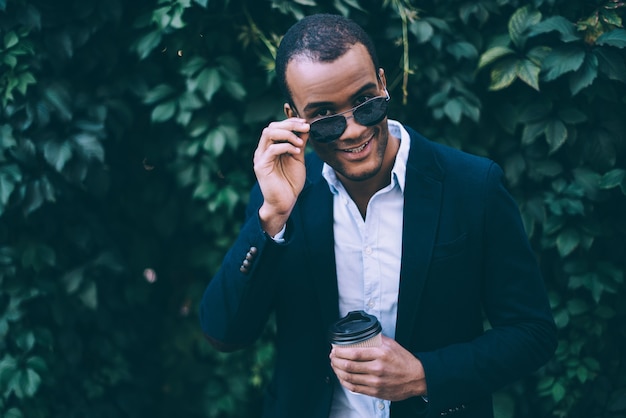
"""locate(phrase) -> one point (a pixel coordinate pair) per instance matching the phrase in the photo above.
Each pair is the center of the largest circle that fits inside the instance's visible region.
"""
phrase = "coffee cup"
(356, 329)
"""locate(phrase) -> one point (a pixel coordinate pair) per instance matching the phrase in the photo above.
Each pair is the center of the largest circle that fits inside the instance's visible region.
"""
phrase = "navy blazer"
(465, 256)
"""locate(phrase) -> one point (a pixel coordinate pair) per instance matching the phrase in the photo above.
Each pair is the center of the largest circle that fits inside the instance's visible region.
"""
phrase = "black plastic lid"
(355, 327)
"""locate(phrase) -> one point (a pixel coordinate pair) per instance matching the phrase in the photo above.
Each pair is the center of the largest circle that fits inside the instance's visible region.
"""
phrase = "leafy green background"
(126, 139)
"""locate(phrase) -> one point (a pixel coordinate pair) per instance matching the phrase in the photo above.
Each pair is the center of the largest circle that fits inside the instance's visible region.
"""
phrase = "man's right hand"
(280, 171)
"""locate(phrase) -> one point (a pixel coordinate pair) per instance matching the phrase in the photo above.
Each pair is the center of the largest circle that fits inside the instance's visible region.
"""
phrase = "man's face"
(325, 88)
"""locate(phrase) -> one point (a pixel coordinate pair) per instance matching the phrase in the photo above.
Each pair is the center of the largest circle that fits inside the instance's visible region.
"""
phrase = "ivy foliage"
(126, 138)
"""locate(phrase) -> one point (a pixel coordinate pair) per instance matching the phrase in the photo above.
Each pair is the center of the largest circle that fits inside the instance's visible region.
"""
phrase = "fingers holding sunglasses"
(290, 131)
(280, 171)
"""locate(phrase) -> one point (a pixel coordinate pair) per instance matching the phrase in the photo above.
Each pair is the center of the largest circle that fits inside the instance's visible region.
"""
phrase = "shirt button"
(368, 250)
(381, 406)
(371, 303)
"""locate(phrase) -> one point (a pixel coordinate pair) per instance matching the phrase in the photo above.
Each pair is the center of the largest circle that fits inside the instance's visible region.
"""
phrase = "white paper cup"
(357, 329)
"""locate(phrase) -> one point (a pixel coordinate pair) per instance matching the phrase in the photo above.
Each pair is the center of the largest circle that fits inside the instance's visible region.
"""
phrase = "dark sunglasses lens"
(327, 129)
(371, 112)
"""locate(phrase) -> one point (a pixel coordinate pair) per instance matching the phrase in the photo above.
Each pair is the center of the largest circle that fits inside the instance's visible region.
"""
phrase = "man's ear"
(382, 79)
(289, 112)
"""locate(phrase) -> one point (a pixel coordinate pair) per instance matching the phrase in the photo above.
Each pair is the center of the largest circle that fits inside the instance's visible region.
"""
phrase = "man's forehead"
(354, 62)
(310, 56)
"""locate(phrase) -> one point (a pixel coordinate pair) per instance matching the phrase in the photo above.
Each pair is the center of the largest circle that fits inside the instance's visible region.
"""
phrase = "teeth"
(359, 149)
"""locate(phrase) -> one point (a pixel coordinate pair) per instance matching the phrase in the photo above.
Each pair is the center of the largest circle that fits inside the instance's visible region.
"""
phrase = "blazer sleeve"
(238, 300)
(522, 336)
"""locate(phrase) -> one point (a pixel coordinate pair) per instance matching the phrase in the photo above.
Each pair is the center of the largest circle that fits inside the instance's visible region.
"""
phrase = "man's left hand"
(387, 372)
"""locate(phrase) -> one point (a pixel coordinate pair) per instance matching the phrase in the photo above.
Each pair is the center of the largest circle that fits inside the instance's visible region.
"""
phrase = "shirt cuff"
(280, 237)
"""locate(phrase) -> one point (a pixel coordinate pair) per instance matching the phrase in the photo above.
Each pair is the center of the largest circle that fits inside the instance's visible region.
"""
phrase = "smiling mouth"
(357, 149)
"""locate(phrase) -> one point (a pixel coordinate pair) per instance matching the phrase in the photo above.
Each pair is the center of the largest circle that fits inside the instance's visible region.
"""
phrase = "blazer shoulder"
(447, 161)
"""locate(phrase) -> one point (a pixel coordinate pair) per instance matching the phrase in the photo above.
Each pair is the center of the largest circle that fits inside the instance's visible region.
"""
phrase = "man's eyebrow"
(359, 92)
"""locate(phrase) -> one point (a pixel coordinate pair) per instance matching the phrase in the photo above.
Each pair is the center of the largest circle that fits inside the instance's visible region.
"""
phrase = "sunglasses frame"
(325, 140)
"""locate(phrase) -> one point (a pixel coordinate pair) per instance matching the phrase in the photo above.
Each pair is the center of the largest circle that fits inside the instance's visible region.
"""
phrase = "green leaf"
(503, 74)
(532, 130)
(611, 17)
(572, 116)
(193, 66)
(11, 61)
(599, 148)
(189, 101)
(462, 50)
(8, 366)
(605, 312)
(523, 19)
(13, 413)
(613, 178)
(202, 3)
(547, 168)
(163, 112)
(611, 63)
(470, 109)
(577, 306)
(616, 38)
(564, 27)
(38, 256)
(422, 30)
(235, 89)
(536, 109)
(563, 60)
(25, 80)
(585, 75)
(10, 40)
(89, 295)
(528, 72)
(25, 341)
(453, 110)
(25, 383)
(589, 180)
(215, 141)
(89, 146)
(147, 43)
(37, 363)
(592, 363)
(58, 96)
(57, 154)
(556, 134)
(494, 54)
(209, 82)
(10, 176)
(538, 54)
(73, 279)
(158, 93)
(7, 140)
(567, 241)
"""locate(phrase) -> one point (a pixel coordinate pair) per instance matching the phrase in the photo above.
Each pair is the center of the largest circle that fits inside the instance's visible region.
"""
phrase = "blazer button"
(327, 380)
(246, 263)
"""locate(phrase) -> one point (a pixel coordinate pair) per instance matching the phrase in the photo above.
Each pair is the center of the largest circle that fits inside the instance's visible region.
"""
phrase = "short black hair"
(321, 38)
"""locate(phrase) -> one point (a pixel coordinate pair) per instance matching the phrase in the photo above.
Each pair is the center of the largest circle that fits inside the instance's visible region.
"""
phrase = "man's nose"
(353, 128)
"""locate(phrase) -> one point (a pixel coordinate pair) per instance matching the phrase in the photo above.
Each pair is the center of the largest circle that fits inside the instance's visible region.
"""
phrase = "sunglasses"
(369, 113)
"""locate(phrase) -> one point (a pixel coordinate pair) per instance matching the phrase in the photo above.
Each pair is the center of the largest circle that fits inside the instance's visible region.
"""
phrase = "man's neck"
(362, 191)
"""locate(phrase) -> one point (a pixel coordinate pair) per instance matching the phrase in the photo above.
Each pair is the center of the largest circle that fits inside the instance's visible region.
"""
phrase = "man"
(379, 219)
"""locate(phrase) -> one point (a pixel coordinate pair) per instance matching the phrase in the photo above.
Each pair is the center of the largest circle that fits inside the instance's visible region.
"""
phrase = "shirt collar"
(398, 173)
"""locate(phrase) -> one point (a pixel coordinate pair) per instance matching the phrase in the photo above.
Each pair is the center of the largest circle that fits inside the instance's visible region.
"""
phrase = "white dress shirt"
(368, 254)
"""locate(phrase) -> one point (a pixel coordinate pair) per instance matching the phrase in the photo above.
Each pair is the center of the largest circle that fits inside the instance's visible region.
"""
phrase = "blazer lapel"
(317, 220)
(422, 206)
